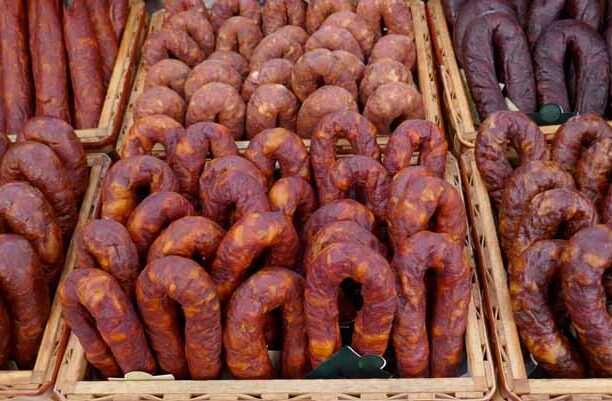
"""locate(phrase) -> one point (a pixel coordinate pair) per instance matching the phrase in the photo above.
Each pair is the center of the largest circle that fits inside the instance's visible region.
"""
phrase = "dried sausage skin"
(393, 102)
(149, 130)
(239, 34)
(170, 73)
(271, 106)
(396, 47)
(278, 13)
(211, 71)
(218, 102)
(356, 25)
(323, 101)
(395, 14)
(222, 10)
(334, 38)
(160, 100)
(318, 11)
(295, 198)
(275, 71)
(340, 210)
(593, 170)
(104, 31)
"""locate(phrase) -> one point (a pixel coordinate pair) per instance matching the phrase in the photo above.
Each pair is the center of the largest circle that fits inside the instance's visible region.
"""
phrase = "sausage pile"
(285, 64)
(43, 178)
(543, 51)
(552, 210)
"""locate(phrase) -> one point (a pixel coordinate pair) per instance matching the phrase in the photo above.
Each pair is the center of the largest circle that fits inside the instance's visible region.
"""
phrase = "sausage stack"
(558, 255)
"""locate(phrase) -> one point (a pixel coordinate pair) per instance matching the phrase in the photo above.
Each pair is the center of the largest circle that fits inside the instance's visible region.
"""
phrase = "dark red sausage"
(119, 12)
(99, 15)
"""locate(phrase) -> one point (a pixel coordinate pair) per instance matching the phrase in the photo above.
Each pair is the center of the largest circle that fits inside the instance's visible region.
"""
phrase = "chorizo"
(396, 47)
(218, 102)
(323, 101)
(416, 135)
(39, 165)
(211, 71)
(394, 15)
(526, 182)
(170, 73)
(453, 278)
(381, 72)
(148, 131)
(606, 212)
(271, 106)
(99, 15)
(194, 22)
(318, 11)
(374, 320)
(278, 13)
(245, 241)
(295, 198)
(239, 34)
(356, 25)
(275, 71)
(498, 33)
(233, 59)
(339, 210)
(25, 291)
(574, 136)
(5, 334)
(106, 244)
(391, 103)
(175, 280)
(223, 10)
(282, 146)
(119, 12)
(160, 45)
(127, 178)
(406, 177)
(585, 261)
(334, 38)
(294, 33)
(530, 280)
(590, 57)
(104, 320)
(160, 100)
(593, 170)
(172, 7)
(61, 138)
(492, 141)
(276, 46)
(244, 340)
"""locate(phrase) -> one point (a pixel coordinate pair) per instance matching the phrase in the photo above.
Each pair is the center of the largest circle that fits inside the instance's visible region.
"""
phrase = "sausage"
(318, 11)
(61, 138)
(453, 291)
(393, 102)
(127, 178)
(99, 15)
(239, 34)
(107, 245)
(85, 65)
(196, 24)
(25, 211)
(170, 73)
(574, 136)
(405, 178)
(282, 146)
(339, 210)
(334, 38)
(47, 48)
(530, 280)
(543, 13)
(245, 345)
(526, 182)
(275, 71)
(395, 15)
(4, 141)
(356, 25)
(273, 47)
(160, 45)
(592, 73)
(381, 72)
(293, 197)
(606, 212)
(491, 144)
(584, 262)
(396, 47)
(452, 9)
(278, 13)
(160, 100)
(320, 67)
(363, 172)
(119, 12)
(323, 101)
(223, 10)
(498, 33)
(148, 131)
(295, 33)
(173, 7)
(37, 164)
(416, 135)
(16, 74)
(218, 102)
(197, 351)
(190, 236)
(211, 71)
(5, 334)
(234, 59)
(593, 170)
(426, 198)
(608, 38)
(349, 125)
(374, 320)
(25, 291)
(104, 320)
(271, 106)
(245, 241)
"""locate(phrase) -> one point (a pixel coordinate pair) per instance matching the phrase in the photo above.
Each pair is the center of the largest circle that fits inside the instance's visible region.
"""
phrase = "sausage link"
(173, 7)
(99, 15)
(161, 45)
(406, 177)
(239, 34)
(223, 10)
(218, 102)
(395, 15)
(323, 101)
(233, 59)
(170, 73)
(148, 131)
(278, 13)
(334, 38)
(271, 106)
(606, 213)
(381, 72)
(276, 46)
(393, 102)
(160, 100)
(275, 71)
(318, 11)
(396, 47)
(119, 13)
(196, 24)
(356, 25)
(593, 170)
(211, 71)
(293, 197)
(340, 210)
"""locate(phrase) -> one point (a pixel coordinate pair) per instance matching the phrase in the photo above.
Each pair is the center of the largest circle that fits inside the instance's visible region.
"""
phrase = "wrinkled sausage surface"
(356, 25)
(220, 103)
(271, 106)
(211, 71)
(233, 59)
(278, 13)
(275, 71)
(160, 100)
(339, 210)
(104, 31)
(593, 170)
(239, 34)
(223, 10)
(381, 72)
(276, 46)
(323, 101)
(391, 103)
(395, 15)
(334, 38)
(170, 73)
(397, 47)
(148, 131)
(319, 10)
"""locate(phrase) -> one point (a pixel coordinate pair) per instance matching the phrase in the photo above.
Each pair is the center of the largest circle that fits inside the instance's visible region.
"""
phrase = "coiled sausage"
(218, 102)
(381, 72)
(211, 71)
(593, 170)
(276, 46)
(169, 73)
(223, 10)
(356, 25)
(275, 71)
(339, 210)
(393, 102)
(233, 59)
(148, 131)
(239, 34)
(278, 13)
(271, 106)
(334, 38)
(396, 47)
(395, 15)
(293, 197)
(321, 102)
(318, 11)
(160, 100)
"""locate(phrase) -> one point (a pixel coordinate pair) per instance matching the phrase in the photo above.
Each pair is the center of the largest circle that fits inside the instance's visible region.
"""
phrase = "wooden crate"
(15, 383)
(514, 380)
(426, 73)
(461, 111)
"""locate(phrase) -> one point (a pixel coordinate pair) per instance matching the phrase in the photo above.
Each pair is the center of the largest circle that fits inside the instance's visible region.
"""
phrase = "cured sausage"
(218, 102)
(356, 25)
(47, 48)
(99, 15)
(119, 12)
(606, 212)
(276, 46)
(223, 10)
(195, 23)
(211, 71)
(394, 15)
(175, 280)
(127, 178)
(293, 197)
(592, 73)
(491, 144)
(381, 72)
(453, 278)
(235, 60)
(239, 34)
(25, 291)
(275, 71)
(586, 260)
(451, 10)
(406, 177)
(282, 146)
(396, 47)
(245, 241)
(498, 33)
(530, 279)
(374, 320)
(85, 65)
(323, 101)
(107, 245)
(391, 103)
(339, 210)
(278, 13)
(294, 33)
(160, 100)
(169, 73)
(271, 106)
(148, 131)
(318, 11)
(334, 38)
(5, 334)
(416, 135)
(104, 320)
(244, 340)
(593, 170)
(176, 6)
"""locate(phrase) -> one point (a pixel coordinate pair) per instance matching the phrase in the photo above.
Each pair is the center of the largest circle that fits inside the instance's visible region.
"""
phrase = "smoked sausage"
(339, 210)
(381, 72)
(321, 102)
(239, 34)
(271, 106)
(211, 71)
(394, 15)
(356, 25)
(278, 13)
(99, 15)
(391, 103)
(119, 12)
(148, 131)
(170, 73)
(218, 102)
(222, 10)
(160, 100)
(396, 47)
(276, 46)
(233, 59)
(275, 71)
(318, 11)
(293, 197)
(593, 170)
(334, 38)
